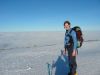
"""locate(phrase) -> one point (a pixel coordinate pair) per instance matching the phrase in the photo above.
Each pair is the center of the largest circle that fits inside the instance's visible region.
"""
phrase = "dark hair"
(67, 22)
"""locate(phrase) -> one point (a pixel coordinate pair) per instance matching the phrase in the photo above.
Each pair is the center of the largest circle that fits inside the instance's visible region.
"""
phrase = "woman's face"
(66, 26)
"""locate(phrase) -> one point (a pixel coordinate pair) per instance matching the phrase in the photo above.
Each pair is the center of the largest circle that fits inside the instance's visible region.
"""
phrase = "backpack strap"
(71, 30)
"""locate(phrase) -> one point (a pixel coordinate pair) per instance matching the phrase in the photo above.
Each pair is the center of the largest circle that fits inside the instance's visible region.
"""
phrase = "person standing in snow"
(70, 47)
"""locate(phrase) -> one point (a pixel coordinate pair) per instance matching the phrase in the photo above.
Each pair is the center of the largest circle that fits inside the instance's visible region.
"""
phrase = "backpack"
(79, 36)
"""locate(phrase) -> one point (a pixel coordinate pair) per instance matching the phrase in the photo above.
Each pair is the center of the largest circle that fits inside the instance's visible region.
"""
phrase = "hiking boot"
(76, 73)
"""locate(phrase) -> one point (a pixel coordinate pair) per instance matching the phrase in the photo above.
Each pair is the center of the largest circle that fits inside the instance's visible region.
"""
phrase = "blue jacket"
(73, 34)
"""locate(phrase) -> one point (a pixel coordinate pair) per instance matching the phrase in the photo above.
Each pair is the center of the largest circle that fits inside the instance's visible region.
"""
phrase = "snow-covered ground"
(28, 53)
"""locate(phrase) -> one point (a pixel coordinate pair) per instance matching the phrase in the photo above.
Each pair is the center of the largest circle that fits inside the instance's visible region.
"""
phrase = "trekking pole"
(49, 69)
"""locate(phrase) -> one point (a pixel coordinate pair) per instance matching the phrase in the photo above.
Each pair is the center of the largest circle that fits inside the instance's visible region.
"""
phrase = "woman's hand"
(65, 52)
(74, 53)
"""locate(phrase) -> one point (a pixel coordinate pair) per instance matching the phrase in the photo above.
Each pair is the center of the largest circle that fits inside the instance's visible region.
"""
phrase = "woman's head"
(67, 25)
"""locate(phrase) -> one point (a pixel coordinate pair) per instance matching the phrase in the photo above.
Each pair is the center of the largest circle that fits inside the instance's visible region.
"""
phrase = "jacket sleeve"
(73, 33)
(65, 42)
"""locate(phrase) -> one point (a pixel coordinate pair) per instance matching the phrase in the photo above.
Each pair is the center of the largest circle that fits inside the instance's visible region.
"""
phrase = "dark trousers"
(72, 61)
